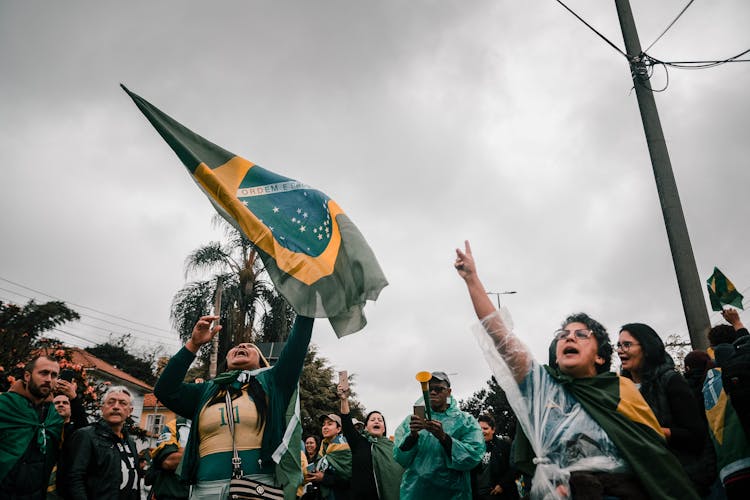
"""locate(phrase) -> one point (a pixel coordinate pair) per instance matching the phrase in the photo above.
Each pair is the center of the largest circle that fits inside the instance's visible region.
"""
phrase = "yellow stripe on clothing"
(716, 415)
(634, 407)
(222, 184)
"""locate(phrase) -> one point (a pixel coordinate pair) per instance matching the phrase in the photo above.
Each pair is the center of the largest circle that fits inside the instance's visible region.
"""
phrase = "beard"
(38, 391)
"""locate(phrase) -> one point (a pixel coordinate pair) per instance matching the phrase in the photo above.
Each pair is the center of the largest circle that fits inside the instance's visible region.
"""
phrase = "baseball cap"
(442, 376)
(331, 416)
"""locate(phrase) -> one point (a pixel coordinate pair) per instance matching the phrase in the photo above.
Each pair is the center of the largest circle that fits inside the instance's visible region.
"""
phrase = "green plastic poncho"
(428, 472)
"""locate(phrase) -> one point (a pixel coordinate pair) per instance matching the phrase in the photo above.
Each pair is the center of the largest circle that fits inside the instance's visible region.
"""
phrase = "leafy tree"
(249, 303)
(493, 401)
(20, 327)
(317, 392)
(677, 347)
(116, 353)
(251, 311)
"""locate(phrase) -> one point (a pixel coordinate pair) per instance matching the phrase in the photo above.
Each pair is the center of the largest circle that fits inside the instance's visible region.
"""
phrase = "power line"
(84, 307)
(697, 64)
(102, 338)
(670, 25)
(594, 30)
(647, 62)
(146, 337)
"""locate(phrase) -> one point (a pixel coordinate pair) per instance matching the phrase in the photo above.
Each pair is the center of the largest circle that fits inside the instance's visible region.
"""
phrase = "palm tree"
(251, 310)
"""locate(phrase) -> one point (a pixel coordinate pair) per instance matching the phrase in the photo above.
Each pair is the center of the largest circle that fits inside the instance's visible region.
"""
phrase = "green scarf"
(623, 414)
(19, 425)
(387, 471)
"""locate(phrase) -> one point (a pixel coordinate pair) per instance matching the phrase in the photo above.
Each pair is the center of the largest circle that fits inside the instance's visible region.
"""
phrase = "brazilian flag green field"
(316, 257)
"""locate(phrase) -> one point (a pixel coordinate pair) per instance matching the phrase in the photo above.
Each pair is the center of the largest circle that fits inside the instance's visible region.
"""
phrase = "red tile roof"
(90, 362)
(150, 401)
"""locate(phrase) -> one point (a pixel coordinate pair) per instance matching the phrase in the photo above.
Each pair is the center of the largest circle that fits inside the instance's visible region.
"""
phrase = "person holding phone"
(438, 454)
(70, 407)
(375, 474)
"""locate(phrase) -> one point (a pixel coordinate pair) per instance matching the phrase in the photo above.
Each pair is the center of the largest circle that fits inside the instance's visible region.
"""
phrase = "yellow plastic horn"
(423, 378)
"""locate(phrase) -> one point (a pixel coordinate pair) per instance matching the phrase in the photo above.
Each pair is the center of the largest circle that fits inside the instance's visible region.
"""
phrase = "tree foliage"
(20, 328)
(116, 353)
(251, 310)
(492, 401)
(317, 392)
(677, 347)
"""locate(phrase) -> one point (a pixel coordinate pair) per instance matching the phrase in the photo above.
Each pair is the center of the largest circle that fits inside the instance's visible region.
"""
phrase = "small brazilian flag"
(722, 291)
(316, 257)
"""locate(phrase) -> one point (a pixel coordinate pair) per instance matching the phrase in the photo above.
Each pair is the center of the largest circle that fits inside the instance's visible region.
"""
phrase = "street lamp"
(498, 294)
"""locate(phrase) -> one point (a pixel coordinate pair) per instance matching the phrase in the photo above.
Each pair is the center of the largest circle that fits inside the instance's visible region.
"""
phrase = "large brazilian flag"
(316, 257)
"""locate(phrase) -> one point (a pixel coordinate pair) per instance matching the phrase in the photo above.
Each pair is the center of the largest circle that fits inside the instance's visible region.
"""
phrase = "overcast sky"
(509, 124)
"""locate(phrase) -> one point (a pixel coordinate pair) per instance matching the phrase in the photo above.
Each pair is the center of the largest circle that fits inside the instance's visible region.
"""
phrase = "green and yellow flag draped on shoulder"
(618, 407)
(317, 258)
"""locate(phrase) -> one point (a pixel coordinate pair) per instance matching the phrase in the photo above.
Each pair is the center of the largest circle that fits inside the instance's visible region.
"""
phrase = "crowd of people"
(584, 431)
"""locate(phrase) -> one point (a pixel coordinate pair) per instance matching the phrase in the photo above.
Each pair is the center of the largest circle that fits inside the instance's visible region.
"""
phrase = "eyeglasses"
(625, 346)
(579, 334)
(437, 389)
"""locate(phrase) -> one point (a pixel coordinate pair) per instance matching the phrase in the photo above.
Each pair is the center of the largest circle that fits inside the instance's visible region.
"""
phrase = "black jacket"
(363, 485)
(501, 471)
(95, 469)
(78, 419)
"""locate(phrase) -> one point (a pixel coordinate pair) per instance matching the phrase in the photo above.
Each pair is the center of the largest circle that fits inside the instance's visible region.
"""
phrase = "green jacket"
(280, 385)
(429, 473)
(19, 426)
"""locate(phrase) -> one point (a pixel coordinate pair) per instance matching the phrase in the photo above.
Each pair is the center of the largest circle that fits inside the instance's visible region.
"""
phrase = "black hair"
(385, 431)
(29, 367)
(656, 362)
(654, 352)
(317, 445)
(254, 391)
(487, 419)
(604, 348)
(721, 334)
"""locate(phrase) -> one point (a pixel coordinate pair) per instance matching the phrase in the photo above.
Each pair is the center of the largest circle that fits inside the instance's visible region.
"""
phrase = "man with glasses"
(438, 453)
(104, 455)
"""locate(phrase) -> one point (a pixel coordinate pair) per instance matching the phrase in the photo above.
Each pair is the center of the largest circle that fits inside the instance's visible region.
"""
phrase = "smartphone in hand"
(67, 375)
(420, 411)
(344, 379)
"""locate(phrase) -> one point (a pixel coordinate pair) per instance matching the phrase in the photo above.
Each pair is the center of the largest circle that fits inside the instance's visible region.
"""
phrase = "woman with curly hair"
(587, 433)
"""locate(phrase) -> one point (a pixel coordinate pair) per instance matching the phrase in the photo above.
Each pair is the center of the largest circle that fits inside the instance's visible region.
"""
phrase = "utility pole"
(688, 281)
(213, 360)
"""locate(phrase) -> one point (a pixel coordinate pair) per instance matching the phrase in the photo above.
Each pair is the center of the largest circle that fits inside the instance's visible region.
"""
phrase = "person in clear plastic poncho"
(587, 433)
(438, 454)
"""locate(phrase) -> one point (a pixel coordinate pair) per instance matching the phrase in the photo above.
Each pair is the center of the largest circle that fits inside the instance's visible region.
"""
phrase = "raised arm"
(170, 389)
(510, 348)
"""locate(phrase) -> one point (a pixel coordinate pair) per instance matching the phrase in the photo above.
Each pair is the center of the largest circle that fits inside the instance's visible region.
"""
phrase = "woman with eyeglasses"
(646, 362)
(587, 433)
